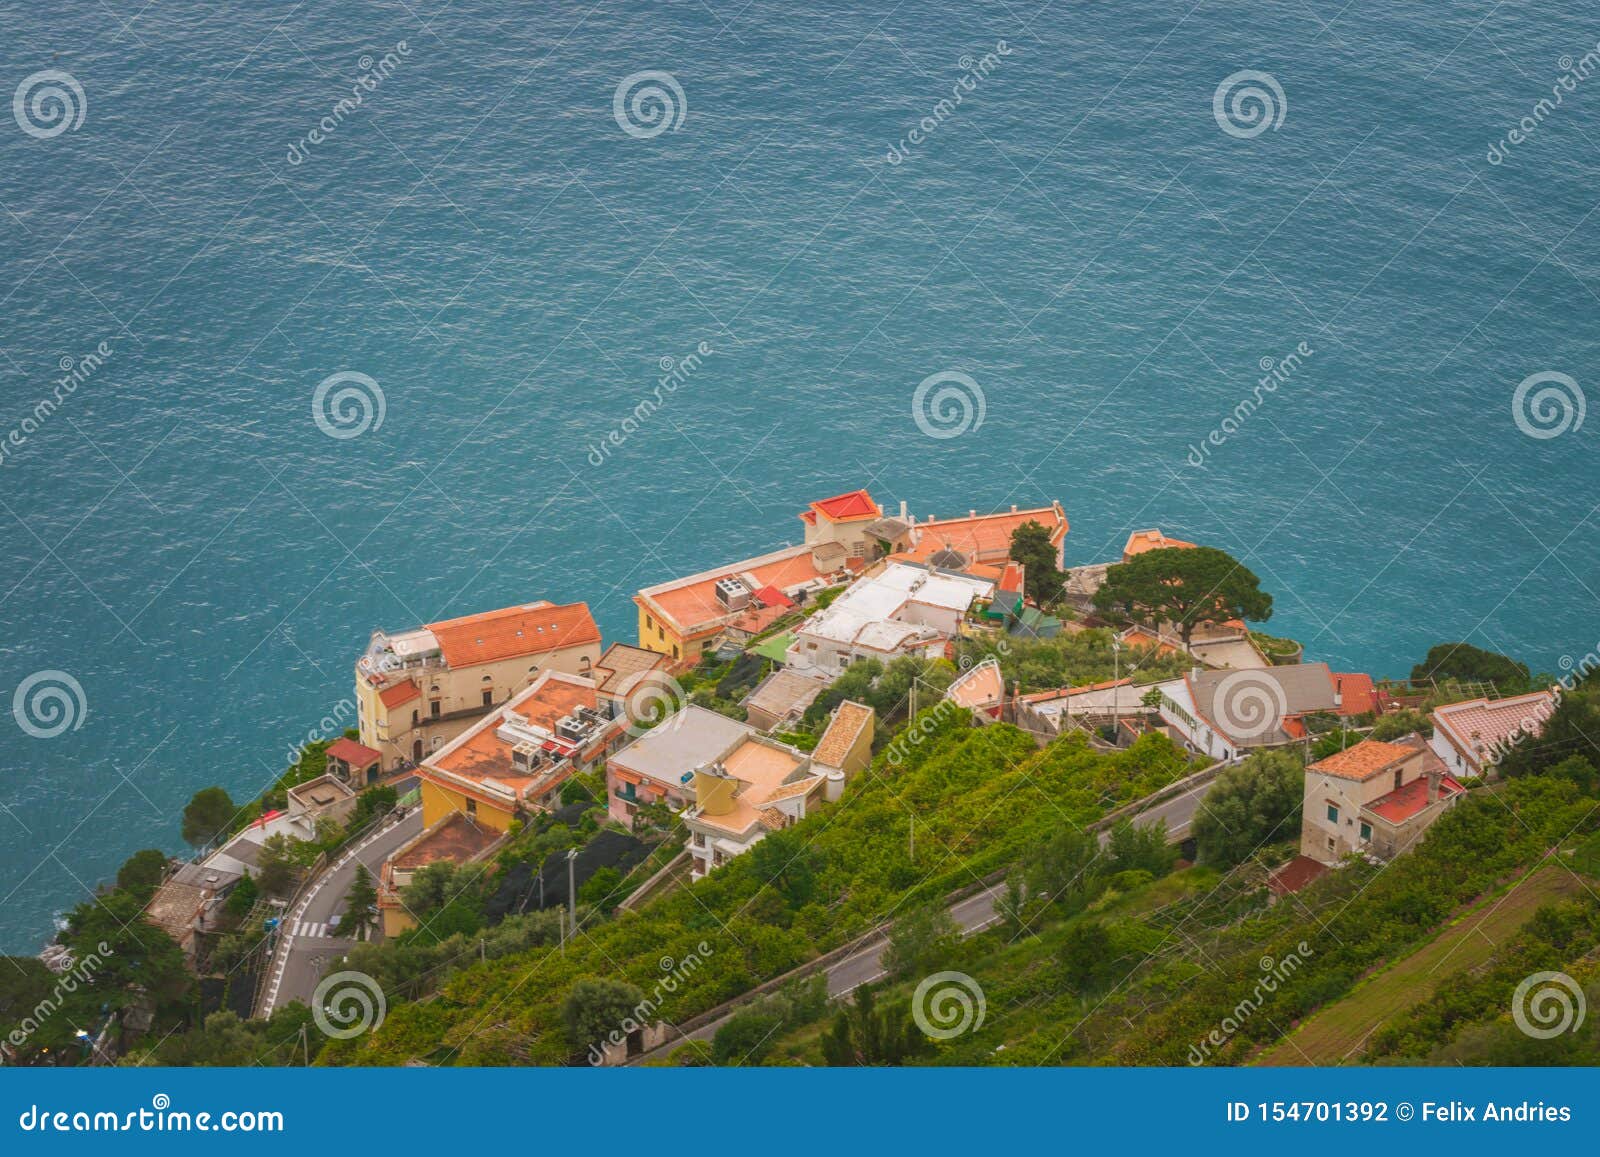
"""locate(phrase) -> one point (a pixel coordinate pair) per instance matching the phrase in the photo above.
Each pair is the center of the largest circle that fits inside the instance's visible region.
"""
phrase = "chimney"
(1013, 508)
(972, 514)
(1433, 785)
(903, 514)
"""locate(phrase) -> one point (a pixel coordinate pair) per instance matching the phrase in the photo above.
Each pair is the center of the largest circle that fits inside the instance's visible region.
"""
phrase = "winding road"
(972, 914)
(306, 946)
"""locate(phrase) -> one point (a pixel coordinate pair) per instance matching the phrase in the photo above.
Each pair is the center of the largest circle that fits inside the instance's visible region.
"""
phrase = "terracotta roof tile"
(841, 735)
(396, 694)
(1363, 760)
(353, 753)
(514, 631)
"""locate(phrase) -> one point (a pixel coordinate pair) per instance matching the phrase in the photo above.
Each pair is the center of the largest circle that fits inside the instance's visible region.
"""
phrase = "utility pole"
(483, 952)
(911, 834)
(572, 887)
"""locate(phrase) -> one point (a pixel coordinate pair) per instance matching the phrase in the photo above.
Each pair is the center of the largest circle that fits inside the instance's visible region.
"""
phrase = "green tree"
(243, 897)
(1066, 869)
(603, 889)
(208, 815)
(1087, 955)
(1043, 578)
(360, 904)
(864, 1034)
(1250, 804)
(1472, 664)
(143, 872)
(1183, 586)
(1141, 849)
(372, 803)
(1398, 723)
(746, 1038)
(920, 939)
(596, 1008)
(276, 865)
(788, 863)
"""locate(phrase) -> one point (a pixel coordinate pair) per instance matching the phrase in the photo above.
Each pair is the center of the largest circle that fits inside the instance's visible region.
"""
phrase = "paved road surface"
(972, 914)
(306, 949)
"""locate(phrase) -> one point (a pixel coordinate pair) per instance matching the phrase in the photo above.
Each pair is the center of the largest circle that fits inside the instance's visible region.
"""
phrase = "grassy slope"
(1338, 1032)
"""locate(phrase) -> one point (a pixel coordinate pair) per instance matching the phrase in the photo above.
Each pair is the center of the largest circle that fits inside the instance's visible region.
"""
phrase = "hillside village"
(749, 700)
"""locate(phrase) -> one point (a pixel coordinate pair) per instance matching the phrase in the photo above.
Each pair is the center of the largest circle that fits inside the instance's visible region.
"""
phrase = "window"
(1398, 773)
(649, 623)
(472, 807)
(1366, 831)
(488, 696)
(674, 650)
(416, 717)
(433, 709)
(1333, 814)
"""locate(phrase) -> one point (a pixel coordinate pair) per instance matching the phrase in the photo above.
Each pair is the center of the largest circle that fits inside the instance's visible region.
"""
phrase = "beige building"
(1375, 797)
(417, 690)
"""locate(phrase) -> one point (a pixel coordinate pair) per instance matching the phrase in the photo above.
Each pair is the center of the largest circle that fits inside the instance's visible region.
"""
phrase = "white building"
(902, 610)
(1225, 713)
(1472, 737)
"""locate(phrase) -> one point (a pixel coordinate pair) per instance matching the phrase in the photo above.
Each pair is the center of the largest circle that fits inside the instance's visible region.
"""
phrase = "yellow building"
(420, 689)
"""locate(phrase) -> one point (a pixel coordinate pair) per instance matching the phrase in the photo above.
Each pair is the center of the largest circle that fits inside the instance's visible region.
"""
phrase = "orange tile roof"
(456, 838)
(842, 733)
(403, 692)
(1363, 760)
(850, 507)
(691, 605)
(353, 753)
(1357, 695)
(514, 631)
(1404, 802)
(1141, 541)
(481, 754)
(982, 537)
(1481, 728)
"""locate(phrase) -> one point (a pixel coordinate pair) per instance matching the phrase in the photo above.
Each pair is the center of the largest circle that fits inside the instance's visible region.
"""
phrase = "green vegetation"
(1468, 664)
(979, 797)
(1184, 587)
(1251, 804)
(1072, 659)
(207, 816)
(1277, 650)
(143, 872)
(1043, 579)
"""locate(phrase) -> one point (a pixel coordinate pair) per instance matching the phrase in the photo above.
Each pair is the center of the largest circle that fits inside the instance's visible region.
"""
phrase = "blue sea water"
(482, 239)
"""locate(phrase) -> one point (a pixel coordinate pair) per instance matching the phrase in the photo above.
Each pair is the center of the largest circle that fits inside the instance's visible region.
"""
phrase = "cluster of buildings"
(495, 712)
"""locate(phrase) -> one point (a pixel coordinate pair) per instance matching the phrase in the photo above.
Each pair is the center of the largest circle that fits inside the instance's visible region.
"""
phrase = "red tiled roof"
(773, 597)
(691, 605)
(1142, 540)
(1296, 874)
(1357, 695)
(353, 753)
(514, 631)
(982, 537)
(1362, 760)
(848, 507)
(1482, 728)
(402, 692)
(1404, 802)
